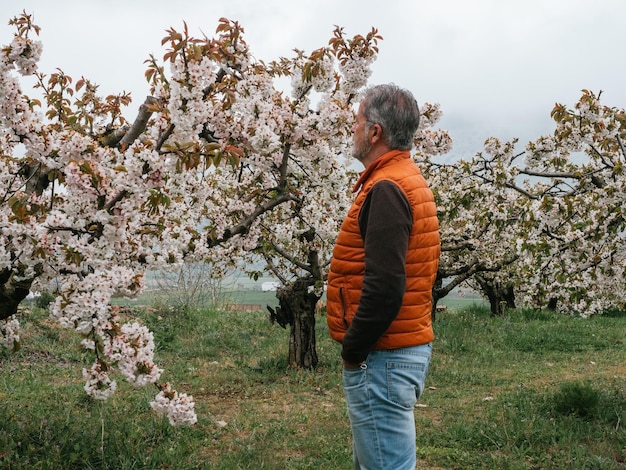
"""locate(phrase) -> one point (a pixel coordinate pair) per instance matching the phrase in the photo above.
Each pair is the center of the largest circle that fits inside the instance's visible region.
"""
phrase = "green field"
(528, 390)
(242, 290)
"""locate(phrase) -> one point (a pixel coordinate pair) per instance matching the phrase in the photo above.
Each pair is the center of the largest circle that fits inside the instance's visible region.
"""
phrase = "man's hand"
(351, 365)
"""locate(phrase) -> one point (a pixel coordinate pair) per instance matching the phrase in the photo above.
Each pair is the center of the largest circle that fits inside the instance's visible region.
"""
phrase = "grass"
(529, 390)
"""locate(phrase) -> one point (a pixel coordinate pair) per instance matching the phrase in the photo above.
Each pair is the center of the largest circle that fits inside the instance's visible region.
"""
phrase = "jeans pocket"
(405, 382)
(353, 378)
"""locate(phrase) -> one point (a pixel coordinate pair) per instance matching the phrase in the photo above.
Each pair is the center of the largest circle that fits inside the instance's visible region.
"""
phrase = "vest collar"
(380, 162)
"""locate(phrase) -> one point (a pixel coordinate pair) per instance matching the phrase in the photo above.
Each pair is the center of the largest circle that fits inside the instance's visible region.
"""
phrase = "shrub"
(577, 398)
(44, 300)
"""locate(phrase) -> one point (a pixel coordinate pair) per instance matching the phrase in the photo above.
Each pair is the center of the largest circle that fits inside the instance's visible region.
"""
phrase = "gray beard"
(359, 152)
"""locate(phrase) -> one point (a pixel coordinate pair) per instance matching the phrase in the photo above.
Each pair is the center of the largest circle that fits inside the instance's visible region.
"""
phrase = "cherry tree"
(282, 194)
(219, 165)
(80, 202)
(576, 254)
(544, 225)
(282, 201)
(480, 211)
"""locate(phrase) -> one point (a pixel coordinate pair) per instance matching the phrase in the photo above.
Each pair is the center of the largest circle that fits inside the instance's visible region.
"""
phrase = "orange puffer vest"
(412, 326)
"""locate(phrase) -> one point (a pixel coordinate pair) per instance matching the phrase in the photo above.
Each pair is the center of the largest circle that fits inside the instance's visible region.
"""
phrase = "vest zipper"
(344, 310)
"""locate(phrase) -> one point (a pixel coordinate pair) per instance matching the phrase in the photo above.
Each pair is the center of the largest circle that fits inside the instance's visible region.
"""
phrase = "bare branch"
(457, 246)
(521, 191)
(596, 180)
(121, 195)
(244, 226)
(555, 174)
(291, 259)
(284, 165)
(272, 267)
(140, 124)
(464, 273)
(112, 139)
(608, 164)
(165, 136)
(621, 146)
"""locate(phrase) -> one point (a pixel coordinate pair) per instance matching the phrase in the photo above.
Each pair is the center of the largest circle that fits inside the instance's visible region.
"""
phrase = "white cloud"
(496, 67)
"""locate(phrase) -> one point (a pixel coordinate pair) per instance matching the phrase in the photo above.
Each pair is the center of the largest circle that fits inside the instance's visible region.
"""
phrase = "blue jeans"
(381, 397)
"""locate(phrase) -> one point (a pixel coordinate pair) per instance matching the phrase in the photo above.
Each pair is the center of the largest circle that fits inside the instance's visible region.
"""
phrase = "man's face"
(361, 143)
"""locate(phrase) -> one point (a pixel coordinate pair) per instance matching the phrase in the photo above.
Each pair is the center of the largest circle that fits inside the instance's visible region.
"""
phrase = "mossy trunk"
(500, 296)
(297, 309)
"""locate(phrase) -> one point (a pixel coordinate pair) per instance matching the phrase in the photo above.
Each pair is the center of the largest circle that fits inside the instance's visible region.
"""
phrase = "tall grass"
(529, 390)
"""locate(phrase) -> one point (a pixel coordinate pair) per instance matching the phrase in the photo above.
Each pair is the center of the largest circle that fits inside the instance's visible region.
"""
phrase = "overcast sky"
(496, 66)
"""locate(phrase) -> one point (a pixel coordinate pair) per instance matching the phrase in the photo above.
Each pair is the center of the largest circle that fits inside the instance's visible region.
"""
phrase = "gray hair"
(396, 111)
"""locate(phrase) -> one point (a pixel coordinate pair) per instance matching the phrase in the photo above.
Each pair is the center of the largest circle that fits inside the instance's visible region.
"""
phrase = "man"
(380, 283)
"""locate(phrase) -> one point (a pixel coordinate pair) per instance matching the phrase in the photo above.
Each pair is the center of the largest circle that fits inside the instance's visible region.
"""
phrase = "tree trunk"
(297, 309)
(12, 293)
(500, 296)
(435, 296)
(552, 304)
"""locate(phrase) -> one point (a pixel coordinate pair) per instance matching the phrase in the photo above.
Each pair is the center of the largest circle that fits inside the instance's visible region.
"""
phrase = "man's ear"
(376, 133)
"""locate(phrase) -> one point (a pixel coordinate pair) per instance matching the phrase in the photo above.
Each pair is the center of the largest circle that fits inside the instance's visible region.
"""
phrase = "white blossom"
(10, 332)
(178, 407)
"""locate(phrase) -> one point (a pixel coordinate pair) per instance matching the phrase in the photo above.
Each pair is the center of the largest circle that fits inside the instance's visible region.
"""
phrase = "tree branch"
(464, 273)
(555, 174)
(113, 139)
(140, 124)
(621, 145)
(521, 191)
(165, 136)
(456, 246)
(292, 259)
(244, 226)
(283, 166)
(121, 195)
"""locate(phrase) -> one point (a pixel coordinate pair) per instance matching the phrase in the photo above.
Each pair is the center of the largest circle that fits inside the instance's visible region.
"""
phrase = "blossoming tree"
(478, 215)
(81, 214)
(280, 197)
(280, 202)
(578, 210)
(547, 228)
(219, 165)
